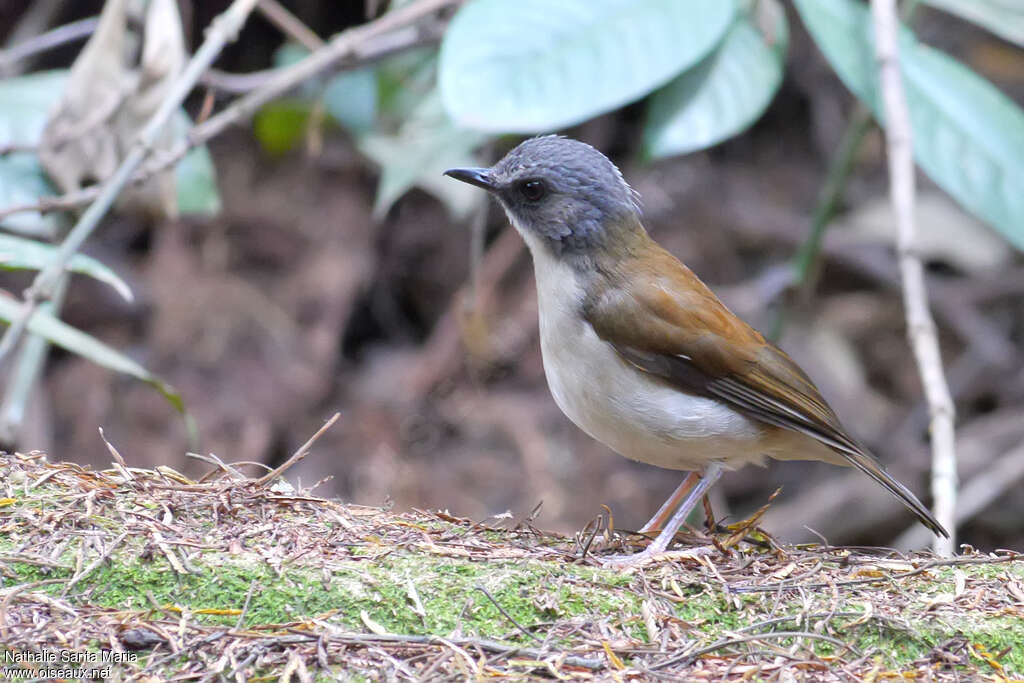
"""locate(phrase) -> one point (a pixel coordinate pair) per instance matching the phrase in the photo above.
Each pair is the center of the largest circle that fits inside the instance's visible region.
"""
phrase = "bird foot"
(650, 554)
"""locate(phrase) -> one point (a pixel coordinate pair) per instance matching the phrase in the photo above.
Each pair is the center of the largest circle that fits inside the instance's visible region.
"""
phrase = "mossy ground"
(250, 580)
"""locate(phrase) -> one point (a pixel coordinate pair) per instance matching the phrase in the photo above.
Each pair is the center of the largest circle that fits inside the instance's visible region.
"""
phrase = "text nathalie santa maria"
(67, 657)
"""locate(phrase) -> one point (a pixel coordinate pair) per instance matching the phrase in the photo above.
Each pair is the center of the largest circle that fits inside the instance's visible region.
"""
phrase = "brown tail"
(870, 466)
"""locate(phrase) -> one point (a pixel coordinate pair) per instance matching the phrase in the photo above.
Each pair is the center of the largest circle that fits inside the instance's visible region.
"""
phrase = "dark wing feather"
(670, 325)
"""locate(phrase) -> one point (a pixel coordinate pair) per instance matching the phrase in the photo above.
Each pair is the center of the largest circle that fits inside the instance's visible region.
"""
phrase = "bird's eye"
(532, 190)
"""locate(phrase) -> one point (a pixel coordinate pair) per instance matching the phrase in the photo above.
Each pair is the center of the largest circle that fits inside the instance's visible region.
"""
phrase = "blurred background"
(309, 292)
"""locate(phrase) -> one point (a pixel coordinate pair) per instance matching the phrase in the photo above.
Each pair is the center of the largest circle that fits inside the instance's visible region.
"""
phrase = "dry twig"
(290, 25)
(61, 35)
(920, 326)
(729, 642)
(297, 456)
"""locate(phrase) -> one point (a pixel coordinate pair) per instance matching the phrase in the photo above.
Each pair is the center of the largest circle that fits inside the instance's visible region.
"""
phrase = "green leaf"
(18, 253)
(288, 53)
(534, 65)
(23, 182)
(967, 134)
(1005, 18)
(351, 99)
(722, 95)
(427, 145)
(195, 177)
(25, 102)
(281, 125)
(196, 182)
(67, 337)
(403, 81)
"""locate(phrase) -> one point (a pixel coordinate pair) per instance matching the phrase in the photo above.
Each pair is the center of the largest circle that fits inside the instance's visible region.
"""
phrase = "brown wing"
(665, 321)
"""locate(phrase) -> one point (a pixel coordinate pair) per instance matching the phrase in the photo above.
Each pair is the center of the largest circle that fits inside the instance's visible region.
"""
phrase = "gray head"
(560, 190)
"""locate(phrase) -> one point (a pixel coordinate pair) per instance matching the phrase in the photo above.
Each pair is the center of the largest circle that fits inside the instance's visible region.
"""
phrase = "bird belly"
(635, 414)
(641, 418)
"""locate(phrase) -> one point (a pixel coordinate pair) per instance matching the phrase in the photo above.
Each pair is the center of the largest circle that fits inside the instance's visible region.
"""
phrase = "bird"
(640, 354)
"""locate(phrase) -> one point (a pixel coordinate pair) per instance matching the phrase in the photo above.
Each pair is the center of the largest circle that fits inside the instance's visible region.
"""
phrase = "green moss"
(452, 593)
(998, 634)
(710, 611)
(900, 648)
(449, 590)
(946, 575)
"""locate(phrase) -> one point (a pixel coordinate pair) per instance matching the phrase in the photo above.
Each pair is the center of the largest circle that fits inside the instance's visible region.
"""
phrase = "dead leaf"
(1016, 590)
(74, 147)
(646, 611)
(959, 582)
(112, 91)
(867, 571)
(784, 572)
(371, 624)
(414, 597)
(613, 658)
(953, 235)
(869, 610)
(938, 600)
(896, 565)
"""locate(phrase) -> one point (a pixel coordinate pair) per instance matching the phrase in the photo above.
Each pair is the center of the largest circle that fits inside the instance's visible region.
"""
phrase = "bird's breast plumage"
(636, 415)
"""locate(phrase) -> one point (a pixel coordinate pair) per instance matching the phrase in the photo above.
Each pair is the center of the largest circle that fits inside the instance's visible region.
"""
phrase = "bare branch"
(61, 35)
(920, 326)
(298, 455)
(290, 24)
(36, 18)
(357, 44)
(376, 50)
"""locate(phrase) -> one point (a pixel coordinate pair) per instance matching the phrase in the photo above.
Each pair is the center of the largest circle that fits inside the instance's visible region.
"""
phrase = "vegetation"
(709, 71)
(239, 578)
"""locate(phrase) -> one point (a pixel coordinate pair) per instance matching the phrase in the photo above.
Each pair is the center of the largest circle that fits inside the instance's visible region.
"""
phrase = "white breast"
(636, 415)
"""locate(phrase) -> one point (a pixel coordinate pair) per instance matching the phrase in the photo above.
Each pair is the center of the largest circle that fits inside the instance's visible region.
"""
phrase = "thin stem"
(290, 24)
(61, 35)
(240, 84)
(920, 325)
(806, 263)
(298, 455)
(26, 372)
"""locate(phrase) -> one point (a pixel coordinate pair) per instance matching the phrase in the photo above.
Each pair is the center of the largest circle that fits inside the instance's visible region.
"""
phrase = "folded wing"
(666, 322)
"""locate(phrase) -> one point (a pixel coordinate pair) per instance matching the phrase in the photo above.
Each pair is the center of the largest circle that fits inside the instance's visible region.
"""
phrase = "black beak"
(481, 177)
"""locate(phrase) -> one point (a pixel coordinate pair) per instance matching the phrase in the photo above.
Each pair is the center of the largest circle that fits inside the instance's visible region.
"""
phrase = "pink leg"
(657, 522)
(711, 474)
